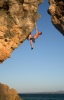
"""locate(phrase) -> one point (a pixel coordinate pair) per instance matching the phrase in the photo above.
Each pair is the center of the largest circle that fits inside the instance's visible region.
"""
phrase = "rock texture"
(8, 94)
(56, 10)
(17, 20)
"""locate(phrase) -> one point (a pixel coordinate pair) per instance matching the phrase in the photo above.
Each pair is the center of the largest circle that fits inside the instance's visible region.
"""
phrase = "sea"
(42, 96)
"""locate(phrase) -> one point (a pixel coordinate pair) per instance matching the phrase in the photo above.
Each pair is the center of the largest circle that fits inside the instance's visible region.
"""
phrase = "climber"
(33, 37)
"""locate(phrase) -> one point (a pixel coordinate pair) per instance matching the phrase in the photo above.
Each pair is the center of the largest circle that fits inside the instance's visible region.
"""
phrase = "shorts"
(33, 40)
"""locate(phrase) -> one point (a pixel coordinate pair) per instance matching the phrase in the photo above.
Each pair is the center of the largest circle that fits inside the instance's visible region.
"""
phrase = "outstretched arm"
(36, 29)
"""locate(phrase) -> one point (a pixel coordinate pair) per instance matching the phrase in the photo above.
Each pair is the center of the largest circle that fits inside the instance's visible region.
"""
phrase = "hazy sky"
(40, 69)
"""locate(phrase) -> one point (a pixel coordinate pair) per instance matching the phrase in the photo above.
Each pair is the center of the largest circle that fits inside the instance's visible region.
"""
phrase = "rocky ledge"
(17, 20)
(8, 94)
(56, 10)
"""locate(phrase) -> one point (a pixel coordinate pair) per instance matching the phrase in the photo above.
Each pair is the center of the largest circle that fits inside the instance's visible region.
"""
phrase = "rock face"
(56, 10)
(8, 94)
(17, 20)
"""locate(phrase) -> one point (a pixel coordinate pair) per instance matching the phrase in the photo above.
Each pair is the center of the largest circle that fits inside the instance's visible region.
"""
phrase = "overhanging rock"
(17, 20)
(56, 10)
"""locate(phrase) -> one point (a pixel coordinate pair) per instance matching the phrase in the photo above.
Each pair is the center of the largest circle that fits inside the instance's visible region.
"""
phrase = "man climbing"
(33, 37)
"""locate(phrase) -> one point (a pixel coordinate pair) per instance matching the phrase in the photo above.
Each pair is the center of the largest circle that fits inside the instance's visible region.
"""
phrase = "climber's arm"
(36, 29)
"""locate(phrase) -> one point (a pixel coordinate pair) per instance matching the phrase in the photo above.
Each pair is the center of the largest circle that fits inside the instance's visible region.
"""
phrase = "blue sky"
(40, 69)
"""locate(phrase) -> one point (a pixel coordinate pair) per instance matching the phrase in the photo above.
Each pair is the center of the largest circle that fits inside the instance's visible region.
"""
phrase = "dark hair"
(40, 33)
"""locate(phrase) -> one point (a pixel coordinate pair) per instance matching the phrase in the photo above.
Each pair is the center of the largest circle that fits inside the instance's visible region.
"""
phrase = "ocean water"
(42, 96)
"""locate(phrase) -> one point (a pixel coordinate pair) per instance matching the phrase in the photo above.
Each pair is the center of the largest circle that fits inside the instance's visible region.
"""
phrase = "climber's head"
(40, 33)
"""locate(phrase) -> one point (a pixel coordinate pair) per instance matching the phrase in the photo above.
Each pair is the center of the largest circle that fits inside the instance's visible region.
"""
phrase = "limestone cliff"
(56, 10)
(17, 20)
(8, 94)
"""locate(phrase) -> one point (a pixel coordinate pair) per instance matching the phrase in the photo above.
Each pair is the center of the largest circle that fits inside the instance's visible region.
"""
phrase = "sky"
(40, 69)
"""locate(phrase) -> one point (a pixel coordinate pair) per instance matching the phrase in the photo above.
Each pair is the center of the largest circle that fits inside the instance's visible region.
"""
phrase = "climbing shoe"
(31, 48)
